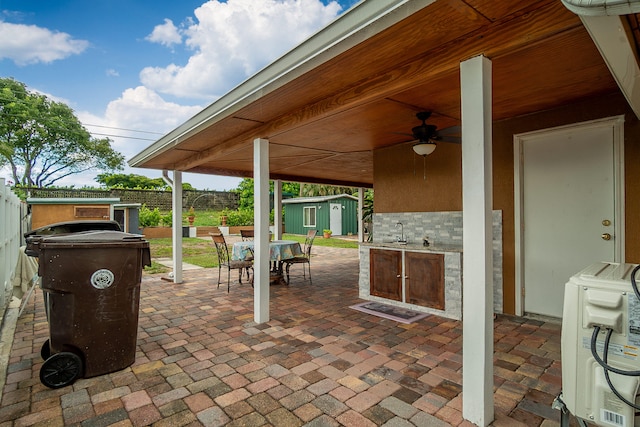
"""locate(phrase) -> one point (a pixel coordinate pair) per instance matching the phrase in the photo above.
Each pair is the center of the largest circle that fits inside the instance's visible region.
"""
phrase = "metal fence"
(12, 226)
(200, 199)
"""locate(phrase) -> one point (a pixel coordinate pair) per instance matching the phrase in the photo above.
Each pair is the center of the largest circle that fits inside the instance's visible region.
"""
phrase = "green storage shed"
(338, 213)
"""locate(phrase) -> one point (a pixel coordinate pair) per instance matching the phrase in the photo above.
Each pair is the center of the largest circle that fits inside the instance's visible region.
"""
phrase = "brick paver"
(201, 360)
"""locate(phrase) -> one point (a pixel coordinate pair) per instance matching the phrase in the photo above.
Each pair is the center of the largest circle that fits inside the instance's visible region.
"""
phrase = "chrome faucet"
(400, 239)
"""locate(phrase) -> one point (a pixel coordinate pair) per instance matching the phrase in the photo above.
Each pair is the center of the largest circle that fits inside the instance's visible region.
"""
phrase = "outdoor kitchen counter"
(438, 248)
(389, 282)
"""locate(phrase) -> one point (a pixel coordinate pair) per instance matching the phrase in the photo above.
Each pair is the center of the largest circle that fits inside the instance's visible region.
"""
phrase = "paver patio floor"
(201, 360)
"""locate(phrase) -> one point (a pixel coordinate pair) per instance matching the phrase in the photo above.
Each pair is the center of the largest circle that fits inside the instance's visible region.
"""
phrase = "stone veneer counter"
(452, 277)
(437, 248)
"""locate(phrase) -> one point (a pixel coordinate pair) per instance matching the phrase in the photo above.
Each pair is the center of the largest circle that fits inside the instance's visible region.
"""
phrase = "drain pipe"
(602, 7)
(166, 179)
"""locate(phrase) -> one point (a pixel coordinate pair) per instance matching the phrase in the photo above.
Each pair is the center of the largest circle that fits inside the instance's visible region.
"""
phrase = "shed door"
(335, 218)
(119, 216)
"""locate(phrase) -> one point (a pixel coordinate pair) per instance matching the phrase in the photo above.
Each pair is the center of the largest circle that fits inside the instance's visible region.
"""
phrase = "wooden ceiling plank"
(496, 10)
(218, 150)
(494, 40)
(518, 33)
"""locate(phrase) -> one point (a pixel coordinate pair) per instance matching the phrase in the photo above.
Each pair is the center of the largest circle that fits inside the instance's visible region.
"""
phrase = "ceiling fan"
(425, 138)
(426, 135)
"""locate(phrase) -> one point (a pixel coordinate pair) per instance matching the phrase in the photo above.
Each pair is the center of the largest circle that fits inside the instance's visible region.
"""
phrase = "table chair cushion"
(240, 264)
(296, 259)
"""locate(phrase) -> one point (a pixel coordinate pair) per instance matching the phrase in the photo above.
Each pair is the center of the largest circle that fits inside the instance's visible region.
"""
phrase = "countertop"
(434, 247)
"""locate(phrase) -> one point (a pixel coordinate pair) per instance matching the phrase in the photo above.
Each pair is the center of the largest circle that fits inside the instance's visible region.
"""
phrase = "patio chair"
(303, 259)
(224, 260)
(246, 234)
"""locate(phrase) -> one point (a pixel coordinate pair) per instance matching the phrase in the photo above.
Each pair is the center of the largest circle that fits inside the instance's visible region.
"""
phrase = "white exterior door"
(335, 218)
(568, 214)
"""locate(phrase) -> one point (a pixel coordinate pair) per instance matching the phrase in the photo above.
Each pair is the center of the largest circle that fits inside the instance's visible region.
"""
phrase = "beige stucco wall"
(398, 188)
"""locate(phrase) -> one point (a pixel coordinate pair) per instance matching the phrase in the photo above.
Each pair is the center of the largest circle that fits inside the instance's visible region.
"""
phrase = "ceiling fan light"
(424, 148)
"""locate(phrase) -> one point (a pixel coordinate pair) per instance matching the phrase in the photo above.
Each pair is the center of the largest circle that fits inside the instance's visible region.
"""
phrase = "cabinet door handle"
(399, 276)
(406, 277)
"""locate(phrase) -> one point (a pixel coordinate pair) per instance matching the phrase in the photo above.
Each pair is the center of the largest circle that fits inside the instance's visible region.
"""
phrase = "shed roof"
(72, 201)
(318, 199)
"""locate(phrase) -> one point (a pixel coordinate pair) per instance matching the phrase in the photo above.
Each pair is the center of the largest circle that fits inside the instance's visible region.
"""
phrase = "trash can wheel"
(61, 369)
(45, 351)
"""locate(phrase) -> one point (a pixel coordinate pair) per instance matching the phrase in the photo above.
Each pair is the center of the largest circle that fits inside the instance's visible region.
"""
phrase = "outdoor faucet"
(401, 239)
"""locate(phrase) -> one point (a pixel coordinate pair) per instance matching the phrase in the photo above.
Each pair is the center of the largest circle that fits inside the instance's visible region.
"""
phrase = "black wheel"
(45, 351)
(60, 370)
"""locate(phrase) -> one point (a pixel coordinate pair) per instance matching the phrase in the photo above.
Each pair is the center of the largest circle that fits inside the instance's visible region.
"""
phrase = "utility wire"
(121, 136)
(64, 128)
(129, 130)
(92, 125)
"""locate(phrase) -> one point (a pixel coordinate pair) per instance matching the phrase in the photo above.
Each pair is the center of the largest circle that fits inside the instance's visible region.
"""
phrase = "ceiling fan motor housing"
(424, 132)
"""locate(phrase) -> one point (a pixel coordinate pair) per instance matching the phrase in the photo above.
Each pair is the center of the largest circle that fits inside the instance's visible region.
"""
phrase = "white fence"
(11, 229)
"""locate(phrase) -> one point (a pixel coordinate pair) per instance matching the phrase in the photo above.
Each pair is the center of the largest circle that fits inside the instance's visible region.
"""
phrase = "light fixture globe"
(423, 148)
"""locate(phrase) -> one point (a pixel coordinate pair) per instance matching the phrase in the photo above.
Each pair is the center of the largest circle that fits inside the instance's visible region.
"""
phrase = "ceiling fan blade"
(450, 134)
(452, 130)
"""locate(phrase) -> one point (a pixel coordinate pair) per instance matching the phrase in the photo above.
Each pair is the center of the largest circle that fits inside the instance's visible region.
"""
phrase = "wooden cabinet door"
(424, 281)
(385, 268)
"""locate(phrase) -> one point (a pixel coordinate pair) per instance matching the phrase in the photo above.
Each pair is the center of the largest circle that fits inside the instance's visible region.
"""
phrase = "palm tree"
(310, 190)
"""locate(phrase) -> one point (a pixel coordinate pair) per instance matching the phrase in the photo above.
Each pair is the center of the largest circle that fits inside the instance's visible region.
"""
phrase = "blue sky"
(135, 69)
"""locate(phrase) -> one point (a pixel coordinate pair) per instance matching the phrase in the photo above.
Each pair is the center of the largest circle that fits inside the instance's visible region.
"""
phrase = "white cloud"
(166, 34)
(228, 41)
(232, 40)
(112, 73)
(29, 44)
(141, 109)
(138, 109)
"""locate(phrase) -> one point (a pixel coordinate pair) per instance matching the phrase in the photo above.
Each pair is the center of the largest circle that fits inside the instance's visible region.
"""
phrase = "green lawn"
(204, 218)
(333, 242)
(201, 252)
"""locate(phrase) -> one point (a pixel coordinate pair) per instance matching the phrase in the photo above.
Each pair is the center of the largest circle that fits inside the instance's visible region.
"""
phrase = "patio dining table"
(279, 250)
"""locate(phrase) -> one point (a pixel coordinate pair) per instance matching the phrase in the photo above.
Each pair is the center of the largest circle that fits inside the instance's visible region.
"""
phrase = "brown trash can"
(91, 283)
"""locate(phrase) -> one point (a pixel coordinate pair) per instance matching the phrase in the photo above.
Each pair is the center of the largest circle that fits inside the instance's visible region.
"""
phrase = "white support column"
(261, 236)
(477, 200)
(176, 208)
(360, 210)
(277, 209)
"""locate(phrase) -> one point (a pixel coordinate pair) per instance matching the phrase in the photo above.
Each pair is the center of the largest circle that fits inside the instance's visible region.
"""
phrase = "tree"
(311, 190)
(42, 141)
(120, 180)
(245, 191)
(137, 182)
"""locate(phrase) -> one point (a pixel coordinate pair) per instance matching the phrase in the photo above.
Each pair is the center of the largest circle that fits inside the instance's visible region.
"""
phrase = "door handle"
(606, 236)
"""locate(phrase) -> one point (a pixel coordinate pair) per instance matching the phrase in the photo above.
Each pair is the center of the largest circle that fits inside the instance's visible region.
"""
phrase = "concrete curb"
(168, 262)
(6, 337)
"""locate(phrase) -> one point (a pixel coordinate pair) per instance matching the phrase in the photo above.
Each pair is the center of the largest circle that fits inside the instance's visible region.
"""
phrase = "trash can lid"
(99, 237)
(73, 227)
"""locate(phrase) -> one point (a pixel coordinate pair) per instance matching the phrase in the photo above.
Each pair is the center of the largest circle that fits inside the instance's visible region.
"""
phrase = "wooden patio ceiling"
(324, 125)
